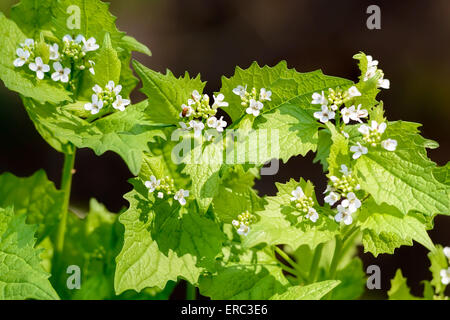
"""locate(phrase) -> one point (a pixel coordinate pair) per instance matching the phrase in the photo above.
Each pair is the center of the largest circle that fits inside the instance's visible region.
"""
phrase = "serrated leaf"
(34, 196)
(19, 79)
(21, 273)
(166, 92)
(32, 16)
(399, 288)
(339, 152)
(438, 262)
(132, 44)
(314, 291)
(403, 178)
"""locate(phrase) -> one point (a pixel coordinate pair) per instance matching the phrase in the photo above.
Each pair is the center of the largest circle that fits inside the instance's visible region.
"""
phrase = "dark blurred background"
(212, 37)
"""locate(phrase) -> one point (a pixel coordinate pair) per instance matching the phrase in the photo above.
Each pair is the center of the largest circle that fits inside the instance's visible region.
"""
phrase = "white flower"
(212, 122)
(218, 101)
(332, 198)
(371, 62)
(61, 73)
(334, 107)
(384, 83)
(243, 230)
(447, 252)
(186, 111)
(353, 92)
(54, 54)
(218, 124)
(97, 89)
(359, 113)
(389, 144)
(240, 91)
(94, 106)
(334, 179)
(343, 215)
(160, 195)
(91, 69)
(264, 94)
(28, 43)
(120, 103)
(364, 129)
(352, 202)
(329, 189)
(198, 126)
(445, 276)
(254, 107)
(78, 39)
(324, 115)
(23, 56)
(358, 150)
(235, 223)
(380, 128)
(318, 98)
(39, 67)
(113, 88)
(345, 171)
(221, 124)
(90, 45)
(184, 126)
(312, 215)
(152, 183)
(297, 194)
(195, 96)
(180, 195)
(348, 113)
(345, 134)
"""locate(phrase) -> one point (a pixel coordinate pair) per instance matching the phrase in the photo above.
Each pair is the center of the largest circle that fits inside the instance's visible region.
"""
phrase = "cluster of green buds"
(76, 51)
(165, 185)
(243, 221)
(247, 96)
(338, 96)
(304, 204)
(253, 100)
(344, 184)
(200, 106)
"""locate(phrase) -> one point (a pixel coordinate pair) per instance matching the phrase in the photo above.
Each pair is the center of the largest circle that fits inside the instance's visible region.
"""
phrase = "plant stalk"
(191, 291)
(315, 263)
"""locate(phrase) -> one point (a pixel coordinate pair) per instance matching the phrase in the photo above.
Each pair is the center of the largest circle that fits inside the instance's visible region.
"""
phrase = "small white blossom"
(218, 101)
(212, 122)
(265, 95)
(329, 188)
(240, 91)
(235, 223)
(152, 183)
(358, 150)
(186, 111)
(312, 215)
(359, 113)
(332, 198)
(90, 45)
(198, 126)
(113, 88)
(324, 115)
(343, 215)
(39, 67)
(334, 179)
(371, 62)
(97, 89)
(160, 195)
(384, 83)
(447, 252)
(180, 195)
(23, 56)
(445, 276)
(91, 69)
(380, 128)
(28, 43)
(318, 98)
(218, 124)
(243, 230)
(54, 54)
(389, 144)
(195, 97)
(297, 194)
(61, 73)
(345, 170)
(347, 113)
(254, 107)
(334, 107)
(120, 103)
(94, 106)
(352, 202)
(353, 92)
(184, 126)
(364, 129)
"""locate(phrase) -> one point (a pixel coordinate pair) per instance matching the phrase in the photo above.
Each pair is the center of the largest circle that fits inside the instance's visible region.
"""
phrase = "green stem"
(336, 258)
(191, 292)
(315, 263)
(66, 184)
(295, 266)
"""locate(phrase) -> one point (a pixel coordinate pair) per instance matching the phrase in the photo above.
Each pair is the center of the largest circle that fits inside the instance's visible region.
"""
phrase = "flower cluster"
(242, 224)
(343, 188)
(74, 53)
(304, 204)
(372, 71)
(252, 100)
(445, 273)
(166, 186)
(105, 97)
(198, 109)
(334, 99)
(372, 135)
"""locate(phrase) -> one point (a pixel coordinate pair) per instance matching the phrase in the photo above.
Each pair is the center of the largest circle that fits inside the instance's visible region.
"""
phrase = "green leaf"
(166, 92)
(324, 144)
(399, 288)
(278, 222)
(163, 242)
(22, 80)
(34, 196)
(385, 228)
(314, 291)
(127, 133)
(21, 273)
(32, 16)
(131, 44)
(438, 262)
(403, 178)
(287, 85)
(339, 152)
